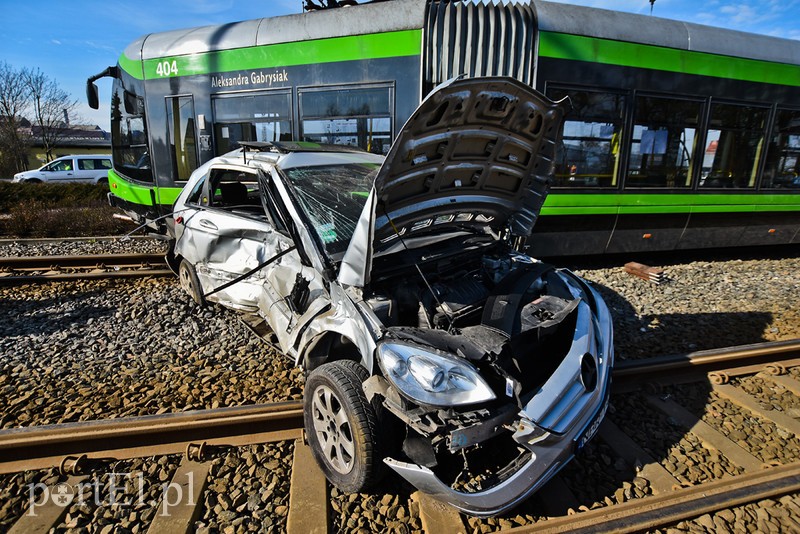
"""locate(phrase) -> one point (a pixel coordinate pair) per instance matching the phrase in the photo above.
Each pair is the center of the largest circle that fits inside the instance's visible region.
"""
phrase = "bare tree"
(52, 107)
(14, 103)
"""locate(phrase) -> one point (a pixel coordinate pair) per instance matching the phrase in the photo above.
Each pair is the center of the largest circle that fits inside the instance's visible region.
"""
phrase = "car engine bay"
(511, 317)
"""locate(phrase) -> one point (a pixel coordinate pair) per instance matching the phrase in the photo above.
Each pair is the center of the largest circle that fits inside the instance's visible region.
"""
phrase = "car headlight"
(432, 378)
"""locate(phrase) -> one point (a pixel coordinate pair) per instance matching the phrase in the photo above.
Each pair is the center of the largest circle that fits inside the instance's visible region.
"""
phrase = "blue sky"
(71, 40)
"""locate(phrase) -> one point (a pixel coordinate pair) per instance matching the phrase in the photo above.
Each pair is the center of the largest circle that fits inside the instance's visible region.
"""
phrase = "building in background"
(75, 139)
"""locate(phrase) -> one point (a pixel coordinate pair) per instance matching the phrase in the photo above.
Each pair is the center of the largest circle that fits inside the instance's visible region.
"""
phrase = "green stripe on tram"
(594, 50)
(131, 66)
(558, 203)
(141, 194)
(168, 195)
(129, 191)
(350, 48)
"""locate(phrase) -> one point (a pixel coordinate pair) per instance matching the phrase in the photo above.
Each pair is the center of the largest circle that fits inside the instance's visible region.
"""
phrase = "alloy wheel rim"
(333, 430)
(186, 280)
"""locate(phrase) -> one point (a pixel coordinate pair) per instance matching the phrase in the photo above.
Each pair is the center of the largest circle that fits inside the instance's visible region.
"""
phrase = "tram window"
(182, 144)
(663, 143)
(129, 136)
(351, 116)
(783, 154)
(734, 143)
(589, 155)
(257, 117)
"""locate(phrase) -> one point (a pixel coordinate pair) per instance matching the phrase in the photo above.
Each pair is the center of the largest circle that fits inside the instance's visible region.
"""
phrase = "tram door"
(182, 138)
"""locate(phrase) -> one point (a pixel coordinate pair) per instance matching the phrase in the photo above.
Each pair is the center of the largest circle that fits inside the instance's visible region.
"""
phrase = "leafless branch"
(52, 108)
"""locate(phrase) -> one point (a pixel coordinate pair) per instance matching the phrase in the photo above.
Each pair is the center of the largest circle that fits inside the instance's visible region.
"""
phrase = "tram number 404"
(167, 68)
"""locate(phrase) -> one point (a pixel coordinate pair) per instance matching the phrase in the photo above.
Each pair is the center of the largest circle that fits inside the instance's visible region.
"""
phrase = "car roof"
(93, 156)
(314, 159)
(307, 156)
(286, 147)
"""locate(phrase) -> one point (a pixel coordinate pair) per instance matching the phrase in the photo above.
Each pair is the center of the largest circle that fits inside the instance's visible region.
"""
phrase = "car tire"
(33, 181)
(342, 426)
(190, 283)
(102, 181)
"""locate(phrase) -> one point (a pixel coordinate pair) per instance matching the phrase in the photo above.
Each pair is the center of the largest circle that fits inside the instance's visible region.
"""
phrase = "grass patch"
(57, 210)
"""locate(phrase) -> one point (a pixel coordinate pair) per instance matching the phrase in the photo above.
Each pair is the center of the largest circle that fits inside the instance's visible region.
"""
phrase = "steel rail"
(86, 260)
(45, 446)
(85, 239)
(74, 277)
(742, 358)
(672, 507)
(669, 508)
(90, 267)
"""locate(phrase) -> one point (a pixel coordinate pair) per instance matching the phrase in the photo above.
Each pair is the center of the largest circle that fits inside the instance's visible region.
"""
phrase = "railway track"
(38, 269)
(79, 448)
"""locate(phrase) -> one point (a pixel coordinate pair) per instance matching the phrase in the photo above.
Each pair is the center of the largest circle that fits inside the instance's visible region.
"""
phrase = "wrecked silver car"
(433, 344)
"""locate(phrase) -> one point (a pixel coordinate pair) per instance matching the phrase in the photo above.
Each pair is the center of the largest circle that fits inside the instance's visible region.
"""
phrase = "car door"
(86, 171)
(225, 233)
(295, 291)
(103, 166)
(60, 171)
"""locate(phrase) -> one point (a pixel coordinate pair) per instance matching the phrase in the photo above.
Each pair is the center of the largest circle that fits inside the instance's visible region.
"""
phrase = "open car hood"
(476, 156)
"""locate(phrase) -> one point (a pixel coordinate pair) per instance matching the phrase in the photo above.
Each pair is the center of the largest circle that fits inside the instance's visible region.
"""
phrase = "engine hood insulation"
(476, 157)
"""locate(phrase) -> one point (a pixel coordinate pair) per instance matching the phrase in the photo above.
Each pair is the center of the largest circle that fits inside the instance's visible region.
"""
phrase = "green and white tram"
(680, 136)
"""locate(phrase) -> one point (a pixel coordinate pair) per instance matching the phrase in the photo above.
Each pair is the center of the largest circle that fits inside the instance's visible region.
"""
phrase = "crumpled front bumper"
(575, 412)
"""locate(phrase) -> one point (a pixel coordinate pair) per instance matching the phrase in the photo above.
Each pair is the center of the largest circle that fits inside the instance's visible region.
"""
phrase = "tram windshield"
(129, 135)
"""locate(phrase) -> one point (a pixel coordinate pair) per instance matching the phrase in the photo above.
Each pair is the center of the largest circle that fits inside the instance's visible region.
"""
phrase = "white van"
(82, 168)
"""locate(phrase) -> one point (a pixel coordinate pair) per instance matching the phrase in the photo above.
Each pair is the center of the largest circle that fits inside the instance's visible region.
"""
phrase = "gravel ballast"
(705, 305)
(73, 351)
(97, 245)
(248, 490)
(76, 351)
(763, 439)
(113, 496)
(376, 512)
(16, 491)
(767, 516)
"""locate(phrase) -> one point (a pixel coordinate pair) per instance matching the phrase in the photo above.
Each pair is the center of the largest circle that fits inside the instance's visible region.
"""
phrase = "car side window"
(104, 163)
(86, 164)
(63, 165)
(196, 196)
(235, 191)
(232, 188)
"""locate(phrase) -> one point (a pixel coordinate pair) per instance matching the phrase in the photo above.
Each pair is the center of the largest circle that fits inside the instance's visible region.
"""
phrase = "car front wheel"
(341, 425)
